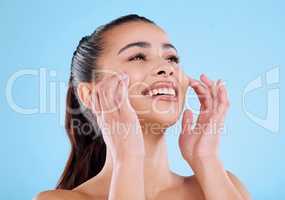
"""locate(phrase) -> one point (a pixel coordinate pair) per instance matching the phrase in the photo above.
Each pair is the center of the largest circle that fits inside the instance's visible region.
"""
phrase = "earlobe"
(84, 91)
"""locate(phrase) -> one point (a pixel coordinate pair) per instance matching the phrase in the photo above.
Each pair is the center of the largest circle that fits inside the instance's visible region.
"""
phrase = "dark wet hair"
(88, 150)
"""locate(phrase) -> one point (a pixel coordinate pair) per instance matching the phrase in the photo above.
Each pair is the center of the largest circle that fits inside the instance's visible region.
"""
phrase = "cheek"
(184, 89)
(184, 83)
(136, 74)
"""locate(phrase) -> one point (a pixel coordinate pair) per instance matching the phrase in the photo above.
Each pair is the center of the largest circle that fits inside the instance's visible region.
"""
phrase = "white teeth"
(172, 92)
(166, 91)
(155, 91)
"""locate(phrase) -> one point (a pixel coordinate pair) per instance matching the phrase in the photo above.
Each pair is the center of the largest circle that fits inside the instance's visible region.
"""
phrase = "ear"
(84, 91)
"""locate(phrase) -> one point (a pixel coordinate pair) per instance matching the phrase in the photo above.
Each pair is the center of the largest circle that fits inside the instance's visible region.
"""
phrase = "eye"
(138, 56)
(173, 58)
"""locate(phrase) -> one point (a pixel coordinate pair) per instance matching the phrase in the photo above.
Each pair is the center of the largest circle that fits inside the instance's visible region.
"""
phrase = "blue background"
(237, 41)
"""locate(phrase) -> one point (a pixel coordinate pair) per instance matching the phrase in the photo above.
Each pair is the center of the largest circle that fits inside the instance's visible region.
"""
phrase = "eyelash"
(142, 56)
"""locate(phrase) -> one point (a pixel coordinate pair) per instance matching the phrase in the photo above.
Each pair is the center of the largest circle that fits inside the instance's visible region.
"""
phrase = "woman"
(126, 89)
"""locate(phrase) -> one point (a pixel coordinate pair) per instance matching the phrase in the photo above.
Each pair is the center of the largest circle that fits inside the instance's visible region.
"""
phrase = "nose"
(163, 70)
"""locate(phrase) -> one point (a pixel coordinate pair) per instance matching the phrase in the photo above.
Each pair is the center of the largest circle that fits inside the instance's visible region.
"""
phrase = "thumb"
(125, 85)
(187, 121)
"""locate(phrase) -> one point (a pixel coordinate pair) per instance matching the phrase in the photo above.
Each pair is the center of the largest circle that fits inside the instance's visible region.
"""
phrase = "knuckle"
(115, 77)
(112, 77)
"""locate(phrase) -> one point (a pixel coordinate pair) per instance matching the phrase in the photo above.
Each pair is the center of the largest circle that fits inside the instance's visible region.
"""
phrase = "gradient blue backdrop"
(237, 41)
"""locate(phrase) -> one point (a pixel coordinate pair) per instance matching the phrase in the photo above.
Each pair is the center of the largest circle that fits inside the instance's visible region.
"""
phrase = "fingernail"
(221, 82)
(218, 82)
(124, 75)
(127, 79)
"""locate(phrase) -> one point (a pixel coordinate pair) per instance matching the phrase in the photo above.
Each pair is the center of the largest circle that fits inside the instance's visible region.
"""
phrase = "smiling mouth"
(162, 89)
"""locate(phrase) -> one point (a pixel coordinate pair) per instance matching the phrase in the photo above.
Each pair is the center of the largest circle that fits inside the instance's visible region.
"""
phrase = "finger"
(187, 120)
(209, 83)
(188, 136)
(105, 100)
(215, 91)
(202, 92)
(213, 87)
(206, 80)
(106, 91)
(121, 91)
(114, 93)
(191, 81)
(204, 119)
(96, 108)
(205, 98)
(95, 103)
(125, 102)
(223, 100)
(223, 93)
(219, 116)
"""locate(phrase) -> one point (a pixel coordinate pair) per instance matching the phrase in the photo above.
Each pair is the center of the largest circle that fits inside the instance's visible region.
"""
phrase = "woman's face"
(144, 52)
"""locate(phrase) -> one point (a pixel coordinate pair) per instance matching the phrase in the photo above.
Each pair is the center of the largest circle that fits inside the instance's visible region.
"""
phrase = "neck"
(157, 175)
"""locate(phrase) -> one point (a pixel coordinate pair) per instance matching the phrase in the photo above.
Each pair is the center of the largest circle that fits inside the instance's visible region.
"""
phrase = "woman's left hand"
(202, 141)
(199, 146)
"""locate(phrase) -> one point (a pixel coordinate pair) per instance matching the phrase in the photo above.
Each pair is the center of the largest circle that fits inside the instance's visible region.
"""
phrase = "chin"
(157, 112)
(165, 120)
(160, 116)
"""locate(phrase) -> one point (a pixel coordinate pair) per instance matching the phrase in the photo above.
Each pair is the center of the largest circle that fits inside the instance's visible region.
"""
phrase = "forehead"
(132, 32)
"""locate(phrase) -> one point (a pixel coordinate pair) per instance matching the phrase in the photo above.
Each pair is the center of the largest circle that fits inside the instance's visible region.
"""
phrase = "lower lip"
(164, 97)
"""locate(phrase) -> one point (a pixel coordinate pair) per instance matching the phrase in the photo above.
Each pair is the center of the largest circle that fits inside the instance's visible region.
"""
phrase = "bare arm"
(216, 182)
(127, 150)
(199, 145)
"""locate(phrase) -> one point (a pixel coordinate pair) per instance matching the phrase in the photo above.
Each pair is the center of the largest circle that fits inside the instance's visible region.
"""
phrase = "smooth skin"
(136, 164)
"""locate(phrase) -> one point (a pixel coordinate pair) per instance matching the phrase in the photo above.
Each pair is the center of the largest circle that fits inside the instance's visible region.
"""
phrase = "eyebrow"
(143, 44)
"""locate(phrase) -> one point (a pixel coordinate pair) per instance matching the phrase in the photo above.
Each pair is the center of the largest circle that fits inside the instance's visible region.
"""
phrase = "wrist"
(204, 161)
(128, 156)
(129, 161)
(207, 169)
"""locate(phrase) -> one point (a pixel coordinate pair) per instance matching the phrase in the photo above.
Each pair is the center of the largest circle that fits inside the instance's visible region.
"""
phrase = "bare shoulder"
(60, 195)
(197, 190)
(193, 187)
(239, 185)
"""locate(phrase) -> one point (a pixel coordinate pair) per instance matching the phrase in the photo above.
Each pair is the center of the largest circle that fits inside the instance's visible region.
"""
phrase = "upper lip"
(161, 84)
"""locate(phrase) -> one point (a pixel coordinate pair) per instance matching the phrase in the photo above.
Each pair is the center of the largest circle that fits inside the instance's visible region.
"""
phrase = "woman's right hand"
(117, 119)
